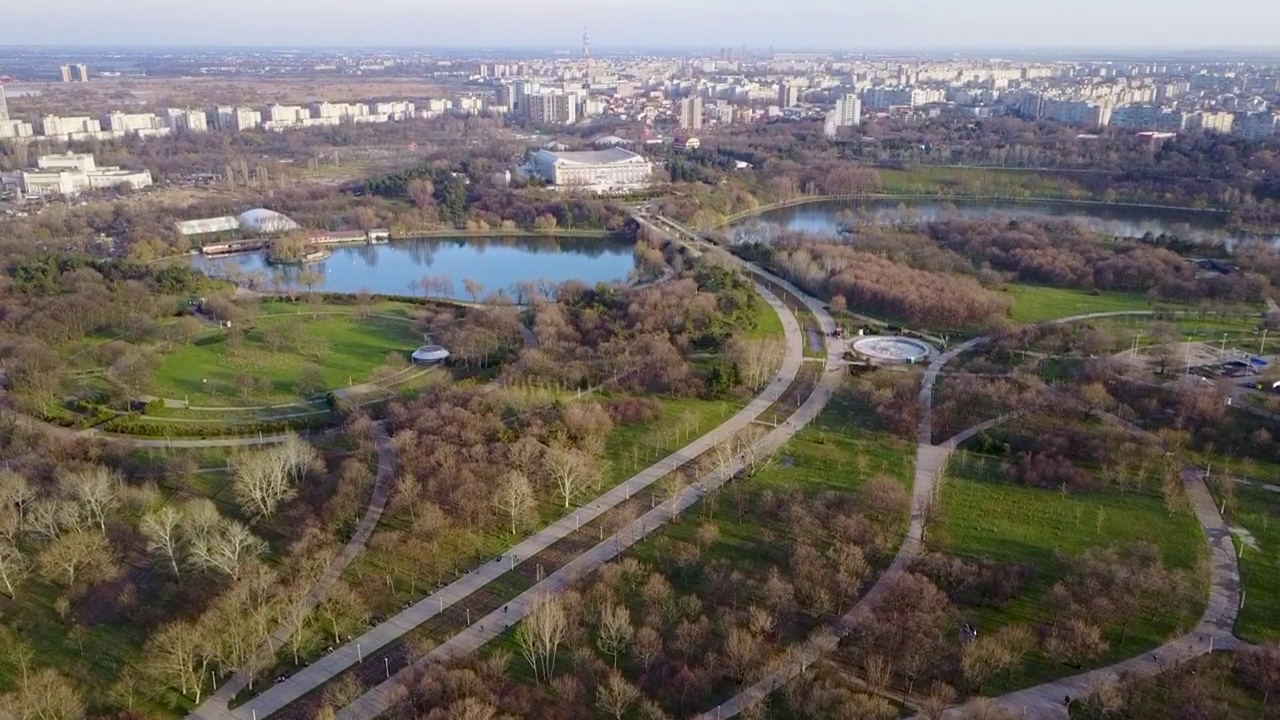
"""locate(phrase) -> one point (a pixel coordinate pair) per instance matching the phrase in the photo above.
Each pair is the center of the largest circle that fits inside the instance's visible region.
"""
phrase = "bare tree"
(570, 471)
(83, 554)
(674, 487)
(1260, 667)
(514, 497)
(266, 478)
(741, 653)
(13, 566)
(217, 543)
(616, 695)
(615, 631)
(161, 528)
(473, 288)
(45, 695)
(94, 489)
(177, 655)
(646, 646)
(541, 634)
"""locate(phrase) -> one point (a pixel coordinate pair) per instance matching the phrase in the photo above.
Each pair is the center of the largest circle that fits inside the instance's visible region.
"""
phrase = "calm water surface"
(1116, 220)
(495, 263)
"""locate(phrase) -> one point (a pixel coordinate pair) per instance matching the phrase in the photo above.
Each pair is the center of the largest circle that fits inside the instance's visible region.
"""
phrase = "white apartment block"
(72, 173)
(141, 124)
(399, 110)
(691, 113)
(1216, 122)
(188, 120)
(848, 111)
(53, 125)
(342, 111)
(286, 114)
(15, 129)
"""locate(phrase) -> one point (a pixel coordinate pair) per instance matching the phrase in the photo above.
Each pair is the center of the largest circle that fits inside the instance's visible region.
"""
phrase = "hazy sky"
(832, 24)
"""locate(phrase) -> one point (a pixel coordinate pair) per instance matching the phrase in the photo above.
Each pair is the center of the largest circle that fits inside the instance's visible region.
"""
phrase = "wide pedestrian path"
(381, 698)
(326, 668)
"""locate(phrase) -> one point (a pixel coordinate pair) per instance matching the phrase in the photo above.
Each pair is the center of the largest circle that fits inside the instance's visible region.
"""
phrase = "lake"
(496, 263)
(1117, 220)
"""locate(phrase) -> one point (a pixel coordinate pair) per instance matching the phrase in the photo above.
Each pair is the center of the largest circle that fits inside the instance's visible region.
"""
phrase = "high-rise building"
(66, 73)
(1256, 125)
(82, 72)
(4, 105)
(691, 113)
(788, 95)
(848, 111)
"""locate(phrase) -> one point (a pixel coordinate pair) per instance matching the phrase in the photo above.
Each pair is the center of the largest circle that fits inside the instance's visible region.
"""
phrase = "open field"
(207, 370)
(982, 516)
(1034, 303)
(976, 181)
(1256, 508)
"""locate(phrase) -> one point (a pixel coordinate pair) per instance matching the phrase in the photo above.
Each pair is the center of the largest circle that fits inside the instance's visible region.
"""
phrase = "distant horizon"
(802, 25)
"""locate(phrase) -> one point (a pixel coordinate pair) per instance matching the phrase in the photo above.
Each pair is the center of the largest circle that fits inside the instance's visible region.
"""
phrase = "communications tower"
(586, 50)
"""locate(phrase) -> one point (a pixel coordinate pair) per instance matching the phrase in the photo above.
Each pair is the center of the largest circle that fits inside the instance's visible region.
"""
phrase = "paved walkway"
(329, 666)
(380, 698)
(930, 462)
(216, 705)
(1213, 632)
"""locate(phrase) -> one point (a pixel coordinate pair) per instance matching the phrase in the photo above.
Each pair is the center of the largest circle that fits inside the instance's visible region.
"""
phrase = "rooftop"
(594, 157)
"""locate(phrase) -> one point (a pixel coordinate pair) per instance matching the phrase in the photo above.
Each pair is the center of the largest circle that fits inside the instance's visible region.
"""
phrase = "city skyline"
(808, 24)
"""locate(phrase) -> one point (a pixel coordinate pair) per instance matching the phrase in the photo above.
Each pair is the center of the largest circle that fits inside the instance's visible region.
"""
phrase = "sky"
(691, 24)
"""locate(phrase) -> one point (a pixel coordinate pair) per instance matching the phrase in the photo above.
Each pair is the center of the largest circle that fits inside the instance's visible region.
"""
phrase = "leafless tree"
(94, 489)
(13, 566)
(45, 695)
(646, 646)
(83, 554)
(615, 631)
(541, 634)
(217, 543)
(570, 471)
(515, 498)
(161, 528)
(616, 695)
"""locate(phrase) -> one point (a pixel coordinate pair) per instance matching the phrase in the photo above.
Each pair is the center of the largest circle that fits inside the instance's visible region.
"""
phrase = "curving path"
(215, 706)
(931, 459)
(381, 698)
(328, 667)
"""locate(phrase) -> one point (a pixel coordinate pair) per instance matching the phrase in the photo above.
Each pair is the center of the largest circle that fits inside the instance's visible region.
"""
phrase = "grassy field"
(344, 348)
(1259, 545)
(1034, 303)
(982, 516)
(976, 181)
(768, 324)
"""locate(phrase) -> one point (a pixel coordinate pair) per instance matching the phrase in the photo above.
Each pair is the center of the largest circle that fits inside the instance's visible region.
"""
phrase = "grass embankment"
(1035, 303)
(982, 516)
(344, 347)
(1252, 514)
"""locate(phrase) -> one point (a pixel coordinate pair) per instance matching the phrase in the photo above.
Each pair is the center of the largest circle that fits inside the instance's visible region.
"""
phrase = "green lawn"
(982, 516)
(768, 324)
(344, 347)
(1034, 303)
(976, 181)
(1256, 509)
